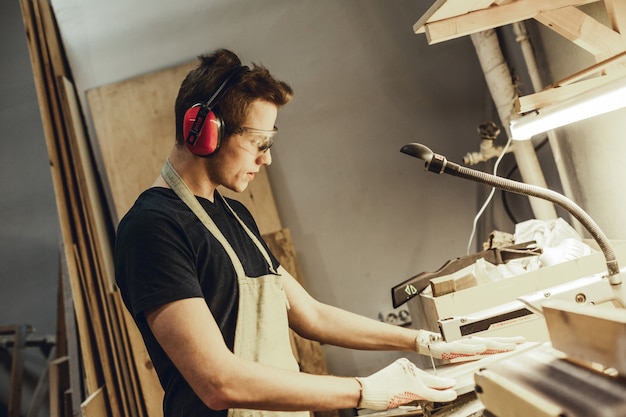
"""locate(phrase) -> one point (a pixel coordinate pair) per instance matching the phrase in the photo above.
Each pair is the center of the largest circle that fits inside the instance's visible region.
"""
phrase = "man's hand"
(468, 349)
(400, 383)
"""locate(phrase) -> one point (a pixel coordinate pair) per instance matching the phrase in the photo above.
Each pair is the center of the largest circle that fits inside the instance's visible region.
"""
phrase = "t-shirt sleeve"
(154, 263)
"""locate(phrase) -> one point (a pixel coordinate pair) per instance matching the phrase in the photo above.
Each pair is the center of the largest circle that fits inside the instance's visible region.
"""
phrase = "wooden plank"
(76, 324)
(584, 31)
(588, 333)
(91, 199)
(70, 338)
(445, 9)
(597, 68)
(59, 376)
(58, 62)
(69, 398)
(99, 240)
(44, 86)
(116, 300)
(616, 10)
(418, 27)
(97, 245)
(74, 233)
(452, 283)
(78, 240)
(134, 124)
(150, 388)
(476, 21)
(95, 405)
(555, 95)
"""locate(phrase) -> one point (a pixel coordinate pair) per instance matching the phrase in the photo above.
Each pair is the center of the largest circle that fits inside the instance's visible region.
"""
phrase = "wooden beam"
(589, 71)
(452, 283)
(583, 30)
(151, 391)
(616, 10)
(59, 375)
(492, 17)
(95, 405)
(443, 9)
(550, 96)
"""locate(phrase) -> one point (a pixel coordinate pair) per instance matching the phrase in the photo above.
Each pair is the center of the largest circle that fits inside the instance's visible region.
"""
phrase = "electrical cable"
(489, 197)
(504, 194)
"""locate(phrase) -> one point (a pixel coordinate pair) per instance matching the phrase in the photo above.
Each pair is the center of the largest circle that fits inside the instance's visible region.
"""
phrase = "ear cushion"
(208, 139)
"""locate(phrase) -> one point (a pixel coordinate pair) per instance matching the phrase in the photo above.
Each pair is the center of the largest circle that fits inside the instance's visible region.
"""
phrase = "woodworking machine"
(580, 369)
(520, 303)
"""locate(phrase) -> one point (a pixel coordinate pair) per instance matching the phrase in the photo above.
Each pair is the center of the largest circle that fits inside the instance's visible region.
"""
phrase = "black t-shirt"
(164, 253)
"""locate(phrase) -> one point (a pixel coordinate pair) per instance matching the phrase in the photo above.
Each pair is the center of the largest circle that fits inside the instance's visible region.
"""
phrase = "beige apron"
(262, 329)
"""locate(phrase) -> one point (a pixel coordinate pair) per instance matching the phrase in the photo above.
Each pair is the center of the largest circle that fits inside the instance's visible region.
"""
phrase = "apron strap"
(181, 189)
(252, 236)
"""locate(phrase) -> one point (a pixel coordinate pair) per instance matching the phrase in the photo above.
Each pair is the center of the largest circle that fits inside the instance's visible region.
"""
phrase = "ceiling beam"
(443, 9)
(554, 95)
(492, 17)
(617, 15)
(583, 30)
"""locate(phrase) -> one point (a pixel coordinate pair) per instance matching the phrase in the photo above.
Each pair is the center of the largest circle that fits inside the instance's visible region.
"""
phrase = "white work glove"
(466, 349)
(400, 383)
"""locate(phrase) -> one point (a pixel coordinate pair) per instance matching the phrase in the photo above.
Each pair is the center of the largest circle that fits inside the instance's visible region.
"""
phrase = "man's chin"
(238, 188)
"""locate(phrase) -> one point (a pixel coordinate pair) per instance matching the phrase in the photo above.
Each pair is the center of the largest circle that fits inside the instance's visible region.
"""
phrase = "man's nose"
(265, 158)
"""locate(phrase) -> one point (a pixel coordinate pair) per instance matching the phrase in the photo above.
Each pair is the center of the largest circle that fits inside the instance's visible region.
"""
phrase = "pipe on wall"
(503, 92)
(522, 38)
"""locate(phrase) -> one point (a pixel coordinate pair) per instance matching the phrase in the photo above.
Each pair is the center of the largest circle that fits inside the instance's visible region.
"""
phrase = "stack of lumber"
(102, 368)
(93, 375)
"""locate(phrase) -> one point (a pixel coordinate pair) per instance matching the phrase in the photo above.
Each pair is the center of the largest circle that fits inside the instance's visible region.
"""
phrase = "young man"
(212, 303)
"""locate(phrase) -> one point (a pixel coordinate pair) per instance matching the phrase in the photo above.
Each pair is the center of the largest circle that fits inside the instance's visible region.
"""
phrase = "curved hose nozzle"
(418, 150)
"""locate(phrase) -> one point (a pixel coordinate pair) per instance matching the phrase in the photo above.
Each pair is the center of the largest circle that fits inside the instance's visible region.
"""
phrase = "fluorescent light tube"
(604, 99)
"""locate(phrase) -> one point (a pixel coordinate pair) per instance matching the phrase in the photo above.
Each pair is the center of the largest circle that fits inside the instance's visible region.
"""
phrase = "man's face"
(242, 154)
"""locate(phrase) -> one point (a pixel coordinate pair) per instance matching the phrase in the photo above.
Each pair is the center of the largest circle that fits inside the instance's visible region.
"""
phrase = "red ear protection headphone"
(203, 128)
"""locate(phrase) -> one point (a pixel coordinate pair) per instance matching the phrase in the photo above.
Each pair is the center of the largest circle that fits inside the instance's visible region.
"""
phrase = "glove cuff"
(372, 398)
(423, 341)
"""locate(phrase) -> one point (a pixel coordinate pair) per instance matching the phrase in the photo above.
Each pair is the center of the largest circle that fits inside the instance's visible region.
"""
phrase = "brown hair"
(250, 85)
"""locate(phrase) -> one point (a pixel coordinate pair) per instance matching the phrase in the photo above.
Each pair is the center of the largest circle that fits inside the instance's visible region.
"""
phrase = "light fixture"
(604, 99)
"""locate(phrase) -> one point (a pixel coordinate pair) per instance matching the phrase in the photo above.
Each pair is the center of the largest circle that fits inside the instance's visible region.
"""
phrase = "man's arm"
(189, 335)
(327, 324)
(331, 325)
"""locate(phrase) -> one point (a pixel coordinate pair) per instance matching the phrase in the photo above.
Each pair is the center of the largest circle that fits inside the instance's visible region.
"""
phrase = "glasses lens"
(259, 140)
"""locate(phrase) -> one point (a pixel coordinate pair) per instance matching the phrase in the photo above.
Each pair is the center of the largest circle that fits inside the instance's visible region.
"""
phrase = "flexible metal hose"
(438, 164)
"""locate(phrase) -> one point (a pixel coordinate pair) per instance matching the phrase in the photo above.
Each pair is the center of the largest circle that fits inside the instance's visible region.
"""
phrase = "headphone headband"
(206, 107)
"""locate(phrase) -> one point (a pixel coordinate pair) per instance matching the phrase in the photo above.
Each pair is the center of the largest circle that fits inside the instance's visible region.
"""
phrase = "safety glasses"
(258, 139)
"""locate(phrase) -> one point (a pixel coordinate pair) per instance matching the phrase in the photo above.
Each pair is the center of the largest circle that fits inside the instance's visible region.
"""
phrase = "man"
(212, 303)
